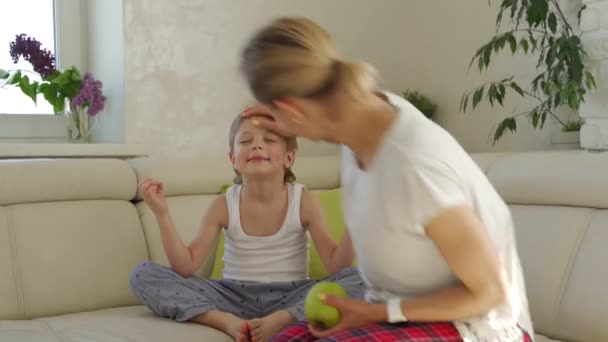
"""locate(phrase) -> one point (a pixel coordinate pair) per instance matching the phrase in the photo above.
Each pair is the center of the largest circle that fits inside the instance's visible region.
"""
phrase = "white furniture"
(71, 231)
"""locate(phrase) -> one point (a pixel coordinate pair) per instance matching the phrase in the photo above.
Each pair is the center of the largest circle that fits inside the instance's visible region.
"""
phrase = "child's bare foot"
(263, 329)
(243, 334)
(230, 324)
(238, 329)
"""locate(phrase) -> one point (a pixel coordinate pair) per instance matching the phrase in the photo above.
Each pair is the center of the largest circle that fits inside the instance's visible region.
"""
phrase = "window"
(60, 26)
(40, 24)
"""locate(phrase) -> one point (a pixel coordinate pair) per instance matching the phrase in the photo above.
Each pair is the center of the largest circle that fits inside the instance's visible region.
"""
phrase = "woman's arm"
(462, 240)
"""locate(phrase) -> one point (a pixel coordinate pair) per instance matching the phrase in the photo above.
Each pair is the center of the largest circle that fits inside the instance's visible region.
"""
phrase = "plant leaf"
(513, 43)
(16, 78)
(543, 118)
(535, 117)
(486, 56)
(62, 79)
(517, 88)
(4, 74)
(29, 89)
(524, 44)
(573, 101)
(552, 21)
(508, 123)
(477, 96)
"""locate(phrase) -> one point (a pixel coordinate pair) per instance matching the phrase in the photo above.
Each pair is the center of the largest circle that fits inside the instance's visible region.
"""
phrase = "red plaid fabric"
(382, 332)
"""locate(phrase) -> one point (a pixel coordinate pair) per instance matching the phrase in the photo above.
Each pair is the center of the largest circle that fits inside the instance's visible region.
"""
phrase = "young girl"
(447, 268)
(266, 218)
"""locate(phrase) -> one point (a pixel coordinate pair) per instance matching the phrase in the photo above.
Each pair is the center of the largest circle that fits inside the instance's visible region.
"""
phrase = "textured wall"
(182, 87)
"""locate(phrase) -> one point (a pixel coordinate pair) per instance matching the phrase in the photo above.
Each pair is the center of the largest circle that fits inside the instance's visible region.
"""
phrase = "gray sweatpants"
(170, 295)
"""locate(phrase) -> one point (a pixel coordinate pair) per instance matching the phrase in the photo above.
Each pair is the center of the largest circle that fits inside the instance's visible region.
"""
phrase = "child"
(266, 218)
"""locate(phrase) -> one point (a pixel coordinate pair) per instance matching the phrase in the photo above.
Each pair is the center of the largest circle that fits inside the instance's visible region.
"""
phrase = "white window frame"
(70, 49)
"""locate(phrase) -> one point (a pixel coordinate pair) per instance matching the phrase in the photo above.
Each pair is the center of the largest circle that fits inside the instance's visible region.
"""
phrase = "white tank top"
(275, 258)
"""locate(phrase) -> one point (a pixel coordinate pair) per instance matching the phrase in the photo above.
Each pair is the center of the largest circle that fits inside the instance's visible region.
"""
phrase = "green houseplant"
(78, 97)
(541, 28)
(421, 102)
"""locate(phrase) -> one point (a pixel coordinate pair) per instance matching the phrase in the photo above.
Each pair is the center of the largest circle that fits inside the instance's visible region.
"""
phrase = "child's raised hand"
(153, 193)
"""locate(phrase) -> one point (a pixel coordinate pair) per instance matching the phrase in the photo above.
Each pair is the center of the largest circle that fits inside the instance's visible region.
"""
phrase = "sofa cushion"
(186, 212)
(548, 240)
(28, 181)
(558, 200)
(569, 178)
(318, 172)
(541, 338)
(9, 295)
(27, 331)
(76, 255)
(182, 177)
(135, 323)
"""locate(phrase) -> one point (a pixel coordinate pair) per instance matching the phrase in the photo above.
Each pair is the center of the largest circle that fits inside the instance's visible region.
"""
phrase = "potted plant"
(568, 136)
(80, 99)
(421, 102)
(539, 27)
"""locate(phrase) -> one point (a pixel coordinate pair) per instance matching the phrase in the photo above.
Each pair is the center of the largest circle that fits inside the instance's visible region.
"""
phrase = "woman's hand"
(153, 193)
(354, 314)
(288, 119)
(267, 118)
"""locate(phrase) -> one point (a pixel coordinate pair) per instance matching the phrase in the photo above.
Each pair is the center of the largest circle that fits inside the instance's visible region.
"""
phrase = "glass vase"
(80, 125)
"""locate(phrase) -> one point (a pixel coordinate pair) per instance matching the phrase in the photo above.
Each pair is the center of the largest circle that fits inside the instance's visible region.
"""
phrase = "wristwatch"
(393, 307)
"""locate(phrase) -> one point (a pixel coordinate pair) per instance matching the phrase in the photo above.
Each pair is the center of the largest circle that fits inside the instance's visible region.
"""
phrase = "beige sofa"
(71, 231)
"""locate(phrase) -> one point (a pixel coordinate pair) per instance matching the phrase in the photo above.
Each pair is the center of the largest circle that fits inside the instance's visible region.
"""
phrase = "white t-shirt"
(418, 171)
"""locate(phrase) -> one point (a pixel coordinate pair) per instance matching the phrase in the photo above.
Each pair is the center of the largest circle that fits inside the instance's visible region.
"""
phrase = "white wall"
(442, 36)
(182, 87)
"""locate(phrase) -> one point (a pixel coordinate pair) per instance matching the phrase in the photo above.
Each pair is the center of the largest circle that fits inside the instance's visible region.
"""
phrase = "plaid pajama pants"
(382, 332)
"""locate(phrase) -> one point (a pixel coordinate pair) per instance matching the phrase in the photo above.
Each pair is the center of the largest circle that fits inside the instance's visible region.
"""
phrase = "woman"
(434, 241)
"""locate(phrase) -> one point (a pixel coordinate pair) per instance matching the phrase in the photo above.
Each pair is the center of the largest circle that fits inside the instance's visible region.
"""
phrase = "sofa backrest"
(71, 231)
(559, 201)
(69, 236)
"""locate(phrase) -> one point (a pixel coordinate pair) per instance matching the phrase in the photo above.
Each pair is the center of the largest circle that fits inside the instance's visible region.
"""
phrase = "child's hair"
(291, 142)
(294, 56)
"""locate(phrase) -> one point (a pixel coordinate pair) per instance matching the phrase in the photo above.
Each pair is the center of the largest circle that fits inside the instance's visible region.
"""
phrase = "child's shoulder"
(217, 211)
(309, 203)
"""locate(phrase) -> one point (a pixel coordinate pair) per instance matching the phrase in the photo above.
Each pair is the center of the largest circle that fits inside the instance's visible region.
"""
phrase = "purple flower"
(42, 60)
(90, 95)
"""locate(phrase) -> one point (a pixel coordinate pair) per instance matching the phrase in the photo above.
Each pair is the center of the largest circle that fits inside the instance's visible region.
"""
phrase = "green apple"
(319, 314)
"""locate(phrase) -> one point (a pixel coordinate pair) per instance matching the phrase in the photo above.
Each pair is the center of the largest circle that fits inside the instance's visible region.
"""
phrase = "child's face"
(259, 152)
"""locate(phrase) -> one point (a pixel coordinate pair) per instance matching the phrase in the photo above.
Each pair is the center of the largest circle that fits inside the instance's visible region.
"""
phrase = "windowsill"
(65, 150)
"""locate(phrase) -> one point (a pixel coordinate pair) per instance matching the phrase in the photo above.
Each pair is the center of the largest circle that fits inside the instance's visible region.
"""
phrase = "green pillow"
(218, 265)
(331, 203)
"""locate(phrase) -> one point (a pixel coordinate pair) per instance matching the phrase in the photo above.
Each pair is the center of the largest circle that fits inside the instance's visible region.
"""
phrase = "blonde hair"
(294, 56)
(291, 142)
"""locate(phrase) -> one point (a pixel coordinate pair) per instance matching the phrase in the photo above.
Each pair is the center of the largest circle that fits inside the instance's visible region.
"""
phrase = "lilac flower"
(90, 95)
(42, 60)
